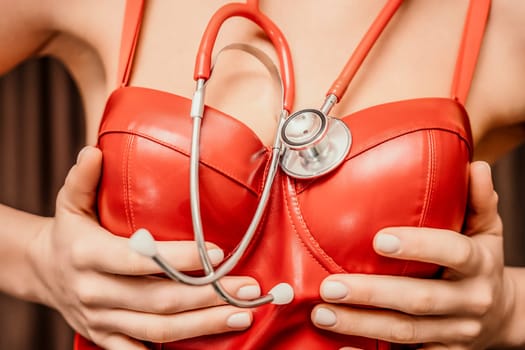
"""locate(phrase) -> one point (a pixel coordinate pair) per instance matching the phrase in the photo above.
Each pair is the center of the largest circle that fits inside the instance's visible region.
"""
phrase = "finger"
(483, 214)
(433, 346)
(159, 295)
(79, 191)
(481, 188)
(116, 256)
(167, 328)
(394, 327)
(436, 346)
(120, 342)
(412, 296)
(441, 247)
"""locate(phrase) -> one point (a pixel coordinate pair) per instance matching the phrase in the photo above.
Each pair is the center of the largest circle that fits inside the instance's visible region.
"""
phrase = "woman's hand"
(468, 309)
(107, 293)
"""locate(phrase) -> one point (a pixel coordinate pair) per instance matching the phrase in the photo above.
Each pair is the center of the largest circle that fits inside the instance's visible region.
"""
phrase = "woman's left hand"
(466, 309)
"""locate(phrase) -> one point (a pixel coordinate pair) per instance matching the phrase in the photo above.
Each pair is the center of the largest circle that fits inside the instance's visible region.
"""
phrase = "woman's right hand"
(107, 293)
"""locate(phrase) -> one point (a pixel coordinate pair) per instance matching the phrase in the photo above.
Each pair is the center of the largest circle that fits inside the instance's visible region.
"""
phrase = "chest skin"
(415, 57)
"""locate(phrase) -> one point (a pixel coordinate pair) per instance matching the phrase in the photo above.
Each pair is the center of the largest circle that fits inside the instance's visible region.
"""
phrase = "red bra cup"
(408, 165)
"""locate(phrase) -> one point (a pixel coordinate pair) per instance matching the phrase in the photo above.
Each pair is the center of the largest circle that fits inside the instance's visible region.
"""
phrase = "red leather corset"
(408, 166)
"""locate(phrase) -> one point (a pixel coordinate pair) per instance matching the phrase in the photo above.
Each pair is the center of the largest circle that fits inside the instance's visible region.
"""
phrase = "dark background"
(42, 130)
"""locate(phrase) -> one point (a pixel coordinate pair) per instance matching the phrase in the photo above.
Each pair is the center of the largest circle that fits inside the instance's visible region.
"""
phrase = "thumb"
(482, 211)
(79, 192)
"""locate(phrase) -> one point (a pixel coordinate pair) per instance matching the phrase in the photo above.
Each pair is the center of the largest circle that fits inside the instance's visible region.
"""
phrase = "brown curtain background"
(41, 131)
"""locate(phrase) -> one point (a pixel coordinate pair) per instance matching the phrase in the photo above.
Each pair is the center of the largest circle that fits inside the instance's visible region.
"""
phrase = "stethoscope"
(307, 144)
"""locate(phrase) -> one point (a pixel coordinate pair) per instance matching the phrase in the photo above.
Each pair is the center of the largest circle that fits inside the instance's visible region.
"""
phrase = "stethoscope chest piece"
(314, 144)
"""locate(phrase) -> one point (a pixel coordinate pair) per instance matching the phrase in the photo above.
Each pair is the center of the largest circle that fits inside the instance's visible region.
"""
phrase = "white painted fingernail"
(334, 290)
(387, 243)
(325, 317)
(215, 255)
(249, 292)
(487, 166)
(239, 320)
(81, 154)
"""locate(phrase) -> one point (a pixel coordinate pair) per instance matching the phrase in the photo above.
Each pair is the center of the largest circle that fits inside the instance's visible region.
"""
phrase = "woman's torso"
(415, 57)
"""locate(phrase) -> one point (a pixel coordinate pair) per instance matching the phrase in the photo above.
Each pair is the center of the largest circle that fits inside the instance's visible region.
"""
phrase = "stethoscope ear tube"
(281, 293)
(143, 243)
(307, 152)
(250, 12)
(212, 276)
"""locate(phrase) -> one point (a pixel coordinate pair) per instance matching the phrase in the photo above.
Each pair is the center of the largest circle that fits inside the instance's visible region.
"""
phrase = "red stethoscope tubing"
(250, 11)
(342, 82)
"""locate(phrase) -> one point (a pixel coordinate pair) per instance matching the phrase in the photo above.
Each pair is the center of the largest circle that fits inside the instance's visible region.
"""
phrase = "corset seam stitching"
(431, 179)
(125, 180)
(130, 184)
(131, 133)
(313, 245)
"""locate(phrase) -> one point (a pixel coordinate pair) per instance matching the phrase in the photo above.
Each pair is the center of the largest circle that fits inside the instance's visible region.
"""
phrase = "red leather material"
(408, 165)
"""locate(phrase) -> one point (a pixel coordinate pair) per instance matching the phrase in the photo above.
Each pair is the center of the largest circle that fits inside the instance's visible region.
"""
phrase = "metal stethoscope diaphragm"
(315, 144)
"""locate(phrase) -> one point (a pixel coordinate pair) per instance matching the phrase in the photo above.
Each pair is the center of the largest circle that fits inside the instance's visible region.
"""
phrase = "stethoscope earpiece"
(143, 243)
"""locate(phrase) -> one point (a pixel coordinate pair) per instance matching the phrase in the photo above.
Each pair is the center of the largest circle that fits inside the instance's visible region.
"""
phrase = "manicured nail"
(239, 320)
(81, 154)
(387, 243)
(333, 290)
(249, 292)
(324, 317)
(487, 166)
(215, 255)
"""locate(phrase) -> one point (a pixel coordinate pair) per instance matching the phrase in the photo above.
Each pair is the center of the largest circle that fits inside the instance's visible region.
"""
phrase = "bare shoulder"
(87, 33)
(497, 99)
(25, 26)
(511, 10)
(502, 55)
(83, 35)
(506, 24)
(506, 40)
(66, 29)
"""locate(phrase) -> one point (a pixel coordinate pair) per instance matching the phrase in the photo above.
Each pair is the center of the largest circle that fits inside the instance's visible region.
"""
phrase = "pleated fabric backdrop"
(41, 131)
